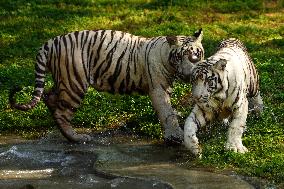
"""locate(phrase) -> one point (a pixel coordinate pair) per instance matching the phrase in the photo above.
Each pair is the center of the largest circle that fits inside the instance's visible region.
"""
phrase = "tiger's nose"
(193, 58)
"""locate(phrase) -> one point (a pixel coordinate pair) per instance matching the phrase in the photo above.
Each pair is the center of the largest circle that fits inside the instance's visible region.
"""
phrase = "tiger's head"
(208, 78)
(186, 51)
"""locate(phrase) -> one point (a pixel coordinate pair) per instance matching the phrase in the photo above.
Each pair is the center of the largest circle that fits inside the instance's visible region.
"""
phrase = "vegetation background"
(26, 24)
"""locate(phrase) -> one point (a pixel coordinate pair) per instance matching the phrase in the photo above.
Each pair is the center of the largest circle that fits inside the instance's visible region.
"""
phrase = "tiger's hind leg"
(50, 99)
(63, 107)
(63, 115)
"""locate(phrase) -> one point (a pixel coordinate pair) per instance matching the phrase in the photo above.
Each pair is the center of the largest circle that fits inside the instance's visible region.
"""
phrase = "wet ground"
(112, 160)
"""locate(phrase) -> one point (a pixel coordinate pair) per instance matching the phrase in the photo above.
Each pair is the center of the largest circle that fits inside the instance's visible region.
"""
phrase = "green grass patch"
(26, 24)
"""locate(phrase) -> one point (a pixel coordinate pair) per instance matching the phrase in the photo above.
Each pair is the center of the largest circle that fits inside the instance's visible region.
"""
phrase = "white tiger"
(115, 62)
(221, 86)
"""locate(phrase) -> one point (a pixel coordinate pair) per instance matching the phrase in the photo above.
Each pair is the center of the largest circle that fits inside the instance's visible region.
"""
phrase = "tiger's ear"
(220, 64)
(198, 35)
(172, 40)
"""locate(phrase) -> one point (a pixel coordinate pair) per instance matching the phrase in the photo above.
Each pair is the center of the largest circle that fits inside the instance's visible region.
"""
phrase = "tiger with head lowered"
(116, 62)
(222, 87)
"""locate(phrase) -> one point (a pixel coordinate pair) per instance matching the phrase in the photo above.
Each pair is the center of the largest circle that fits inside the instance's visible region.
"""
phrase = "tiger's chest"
(221, 109)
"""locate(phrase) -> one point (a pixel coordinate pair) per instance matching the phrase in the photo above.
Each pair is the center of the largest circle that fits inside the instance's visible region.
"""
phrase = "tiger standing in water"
(222, 87)
(116, 62)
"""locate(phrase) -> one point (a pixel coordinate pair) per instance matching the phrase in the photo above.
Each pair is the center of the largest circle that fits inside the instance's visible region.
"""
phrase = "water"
(111, 160)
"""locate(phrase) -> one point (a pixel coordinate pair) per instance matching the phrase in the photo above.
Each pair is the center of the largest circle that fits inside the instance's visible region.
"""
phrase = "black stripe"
(68, 71)
(133, 86)
(39, 70)
(82, 38)
(102, 35)
(67, 62)
(88, 44)
(117, 71)
(121, 88)
(84, 64)
(76, 33)
(128, 63)
(98, 52)
(196, 121)
(91, 51)
(135, 57)
(140, 82)
(39, 84)
(227, 91)
(87, 65)
(50, 59)
(59, 54)
(220, 82)
(109, 57)
(237, 97)
(55, 41)
(69, 93)
(46, 47)
(75, 73)
(112, 32)
(128, 74)
(96, 75)
(86, 38)
(151, 44)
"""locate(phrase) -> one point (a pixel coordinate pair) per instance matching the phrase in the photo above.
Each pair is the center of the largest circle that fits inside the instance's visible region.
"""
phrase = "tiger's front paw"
(192, 144)
(236, 147)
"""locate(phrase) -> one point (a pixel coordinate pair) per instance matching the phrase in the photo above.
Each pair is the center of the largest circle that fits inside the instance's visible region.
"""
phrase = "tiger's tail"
(256, 104)
(40, 72)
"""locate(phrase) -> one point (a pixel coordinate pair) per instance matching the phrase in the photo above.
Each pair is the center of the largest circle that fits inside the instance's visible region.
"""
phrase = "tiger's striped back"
(235, 48)
(99, 53)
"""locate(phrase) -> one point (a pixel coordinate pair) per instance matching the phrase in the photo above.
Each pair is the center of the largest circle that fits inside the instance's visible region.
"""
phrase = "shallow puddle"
(112, 160)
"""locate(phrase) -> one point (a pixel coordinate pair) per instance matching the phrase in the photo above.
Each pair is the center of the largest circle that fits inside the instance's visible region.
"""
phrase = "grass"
(26, 24)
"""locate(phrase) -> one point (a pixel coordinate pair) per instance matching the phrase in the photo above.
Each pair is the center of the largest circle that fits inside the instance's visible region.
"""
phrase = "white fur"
(231, 102)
